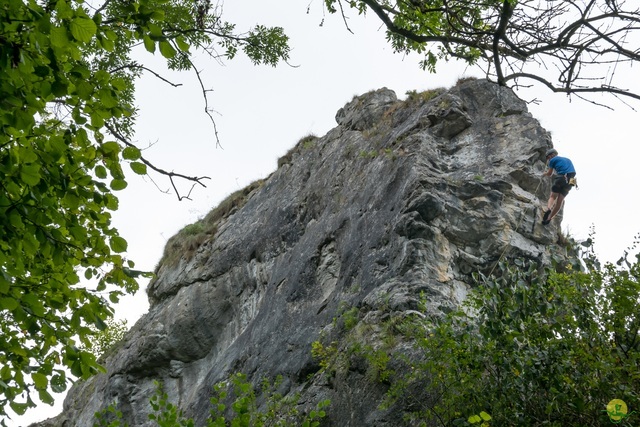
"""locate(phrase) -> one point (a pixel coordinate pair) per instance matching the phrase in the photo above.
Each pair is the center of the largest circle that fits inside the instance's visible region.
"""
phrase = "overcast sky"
(264, 111)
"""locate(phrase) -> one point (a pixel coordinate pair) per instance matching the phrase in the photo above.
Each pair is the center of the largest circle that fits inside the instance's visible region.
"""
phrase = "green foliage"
(432, 23)
(106, 339)
(530, 349)
(193, 229)
(67, 81)
(482, 418)
(166, 414)
(371, 154)
(351, 317)
(424, 96)
(279, 411)
(239, 395)
(325, 354)
(372, 343)
(308, 142)
(109, 417)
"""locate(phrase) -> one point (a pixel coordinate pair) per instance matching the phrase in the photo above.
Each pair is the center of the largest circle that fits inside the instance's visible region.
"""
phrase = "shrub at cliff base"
(531, 348)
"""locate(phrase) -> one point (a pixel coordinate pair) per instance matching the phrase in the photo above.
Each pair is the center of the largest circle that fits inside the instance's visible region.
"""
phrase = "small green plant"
(346, 316)
(424, 96)
(351, 318)
(372, 154)
(482, 418)
(193, 229)
(354, 289)
(239, 395)
(308, 142)
(324, 354)
(166, 414)
(109, 417)
(378, 363)
(280, 411)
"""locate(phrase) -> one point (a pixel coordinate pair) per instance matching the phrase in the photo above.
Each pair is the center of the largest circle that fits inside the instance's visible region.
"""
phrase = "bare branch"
(207, 111)
(577, 40)
(601, 89)
(142, 67)
(197, 180)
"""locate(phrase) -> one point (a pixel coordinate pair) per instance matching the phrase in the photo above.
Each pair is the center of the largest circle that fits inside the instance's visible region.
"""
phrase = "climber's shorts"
(561, 184)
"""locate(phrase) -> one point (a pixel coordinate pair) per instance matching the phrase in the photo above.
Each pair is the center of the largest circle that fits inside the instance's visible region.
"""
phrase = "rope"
(522, 215)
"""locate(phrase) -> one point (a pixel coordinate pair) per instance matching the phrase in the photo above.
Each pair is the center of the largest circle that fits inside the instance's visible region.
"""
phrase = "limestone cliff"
(401, 198)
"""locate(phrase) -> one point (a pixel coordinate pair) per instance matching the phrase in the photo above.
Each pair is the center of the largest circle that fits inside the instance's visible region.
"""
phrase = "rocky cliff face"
(401, 198)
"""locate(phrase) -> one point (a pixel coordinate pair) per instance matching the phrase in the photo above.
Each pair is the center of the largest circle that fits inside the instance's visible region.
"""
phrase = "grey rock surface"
(401, 198)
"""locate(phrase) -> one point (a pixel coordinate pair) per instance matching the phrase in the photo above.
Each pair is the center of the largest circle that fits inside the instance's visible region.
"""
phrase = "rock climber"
(563, 180)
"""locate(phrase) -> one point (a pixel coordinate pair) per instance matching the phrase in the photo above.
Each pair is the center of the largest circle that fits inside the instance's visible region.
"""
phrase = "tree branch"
(142, 67)
(602, 89)
(574, 37)
(197, 180)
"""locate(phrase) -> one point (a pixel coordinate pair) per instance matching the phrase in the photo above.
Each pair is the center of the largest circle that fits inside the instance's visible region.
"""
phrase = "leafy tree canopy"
(570, 46)
(67, 113)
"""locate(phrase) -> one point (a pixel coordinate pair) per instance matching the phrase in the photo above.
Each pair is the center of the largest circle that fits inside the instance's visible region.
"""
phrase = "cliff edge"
(400, 199)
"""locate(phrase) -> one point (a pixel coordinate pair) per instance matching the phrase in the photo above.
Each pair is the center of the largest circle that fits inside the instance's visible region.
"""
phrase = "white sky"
(264, 111)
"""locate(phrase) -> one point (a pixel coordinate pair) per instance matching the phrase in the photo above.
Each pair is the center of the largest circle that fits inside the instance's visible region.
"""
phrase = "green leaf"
(97, 121)
(485, 416)
(84, 89)
(76, 368)
(473, 419)
(119, 83)
(182, 44)
(131, 153)
(155, 30)
(39, 380)
(101, 172)
(58, 37)
(19, 408)
(30, 174)
(118, 184)
(149, 44)
(34, 303)
(15, 219)
(8, 303)
(166, 49)
(107, 44)
(139, 168)
(99, 323)
(45, 397)
(107, 98)
(110, 147)
(118, 244)
(83, 29)
(58, 383)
